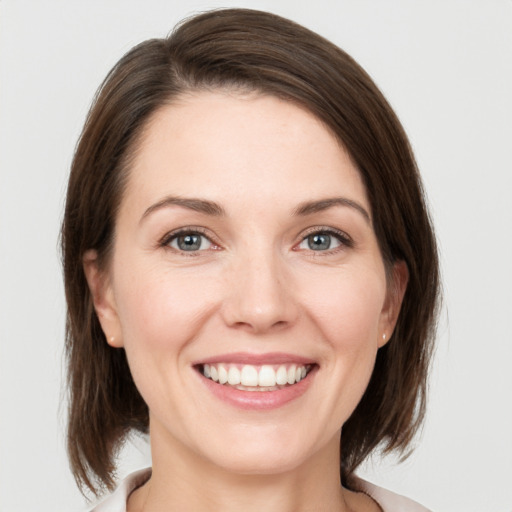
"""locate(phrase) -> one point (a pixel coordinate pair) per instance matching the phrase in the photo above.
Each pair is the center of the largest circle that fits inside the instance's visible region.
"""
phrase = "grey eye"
(190, 242)
(319, 242)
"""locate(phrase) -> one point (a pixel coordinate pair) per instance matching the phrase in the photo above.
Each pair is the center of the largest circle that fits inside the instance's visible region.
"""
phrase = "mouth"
(257, 382)
(255, 378)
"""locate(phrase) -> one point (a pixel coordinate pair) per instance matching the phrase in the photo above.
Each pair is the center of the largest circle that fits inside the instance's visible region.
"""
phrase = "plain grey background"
(445, 66)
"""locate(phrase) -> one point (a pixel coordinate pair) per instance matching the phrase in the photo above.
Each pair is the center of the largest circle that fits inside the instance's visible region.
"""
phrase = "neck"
(182, 480)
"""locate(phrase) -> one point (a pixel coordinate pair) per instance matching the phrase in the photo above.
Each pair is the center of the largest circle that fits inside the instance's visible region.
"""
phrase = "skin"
(255, 286)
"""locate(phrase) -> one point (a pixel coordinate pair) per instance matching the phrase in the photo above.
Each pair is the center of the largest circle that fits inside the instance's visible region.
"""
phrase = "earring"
(384, 337)
(112, 339)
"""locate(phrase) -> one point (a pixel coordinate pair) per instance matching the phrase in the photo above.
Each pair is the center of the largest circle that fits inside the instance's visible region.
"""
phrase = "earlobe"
(393, 304)
(103, 298)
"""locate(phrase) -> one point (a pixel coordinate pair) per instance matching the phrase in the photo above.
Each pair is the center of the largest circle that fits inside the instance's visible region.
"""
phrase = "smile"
(256, 378)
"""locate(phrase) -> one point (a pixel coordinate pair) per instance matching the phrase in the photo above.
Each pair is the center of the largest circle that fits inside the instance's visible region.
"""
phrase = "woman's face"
(244, 250)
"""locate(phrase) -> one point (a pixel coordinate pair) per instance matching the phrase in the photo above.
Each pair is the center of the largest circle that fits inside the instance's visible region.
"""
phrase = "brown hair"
(257, 51)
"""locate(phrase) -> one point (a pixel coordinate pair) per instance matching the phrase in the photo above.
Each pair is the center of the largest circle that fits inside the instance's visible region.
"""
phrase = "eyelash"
(342, 237)
(190, 231)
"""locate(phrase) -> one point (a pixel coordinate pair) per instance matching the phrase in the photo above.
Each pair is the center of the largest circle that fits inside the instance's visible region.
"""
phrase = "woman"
(251, 274)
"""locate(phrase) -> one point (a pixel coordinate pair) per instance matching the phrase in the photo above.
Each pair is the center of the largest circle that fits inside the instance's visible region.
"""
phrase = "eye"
(189, 241)
(324, 240)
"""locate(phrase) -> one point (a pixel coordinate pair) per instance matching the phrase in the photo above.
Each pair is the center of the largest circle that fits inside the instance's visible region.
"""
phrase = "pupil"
(189, 242)
(319, 242)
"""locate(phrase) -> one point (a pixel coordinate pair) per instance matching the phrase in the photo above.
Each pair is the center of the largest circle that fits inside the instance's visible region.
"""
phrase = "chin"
(262, 451)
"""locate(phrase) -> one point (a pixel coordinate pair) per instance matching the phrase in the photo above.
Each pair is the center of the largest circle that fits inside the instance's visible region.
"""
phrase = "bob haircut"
(247, 51)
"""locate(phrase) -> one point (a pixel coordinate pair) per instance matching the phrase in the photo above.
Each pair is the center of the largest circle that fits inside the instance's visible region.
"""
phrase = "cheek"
(348, 314)
(161, 309)
(160, 316)
(349, 309)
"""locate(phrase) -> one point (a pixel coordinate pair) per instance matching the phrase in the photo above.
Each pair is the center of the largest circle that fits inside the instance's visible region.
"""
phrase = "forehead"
(225, 145)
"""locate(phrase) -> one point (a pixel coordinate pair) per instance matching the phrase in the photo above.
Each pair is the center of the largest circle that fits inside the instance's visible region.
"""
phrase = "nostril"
(260, 326)
(259, 303)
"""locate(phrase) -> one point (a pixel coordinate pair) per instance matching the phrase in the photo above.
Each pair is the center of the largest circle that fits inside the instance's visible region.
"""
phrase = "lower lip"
(259, 400)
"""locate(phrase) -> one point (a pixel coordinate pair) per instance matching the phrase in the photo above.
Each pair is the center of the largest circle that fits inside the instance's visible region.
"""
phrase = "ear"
(393, 303)
(103, 298)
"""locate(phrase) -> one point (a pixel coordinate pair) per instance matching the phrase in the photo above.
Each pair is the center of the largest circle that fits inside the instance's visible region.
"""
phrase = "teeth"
(223, 374)
(282, 376)
(249, 376)
(255, 377)
(233, 376)
(267, 376)
(291, 374)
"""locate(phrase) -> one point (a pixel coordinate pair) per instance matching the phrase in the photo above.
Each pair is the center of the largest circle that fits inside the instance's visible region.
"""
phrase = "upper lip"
(256, 359)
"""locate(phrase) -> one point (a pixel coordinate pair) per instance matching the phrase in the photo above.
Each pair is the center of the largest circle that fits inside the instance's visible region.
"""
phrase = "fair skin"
(245, 239)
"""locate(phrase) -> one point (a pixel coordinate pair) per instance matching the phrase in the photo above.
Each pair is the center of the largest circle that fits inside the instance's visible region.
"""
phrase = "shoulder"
(116, 502)
(389, 501)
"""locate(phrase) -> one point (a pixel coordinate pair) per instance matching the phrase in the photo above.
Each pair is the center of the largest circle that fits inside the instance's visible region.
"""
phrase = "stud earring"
(112, 339)
(384, 337)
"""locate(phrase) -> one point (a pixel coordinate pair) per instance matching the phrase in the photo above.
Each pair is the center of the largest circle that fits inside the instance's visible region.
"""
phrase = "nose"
(260, 295)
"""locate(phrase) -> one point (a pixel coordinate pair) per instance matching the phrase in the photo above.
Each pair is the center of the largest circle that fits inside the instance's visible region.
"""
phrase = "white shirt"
(388, 501)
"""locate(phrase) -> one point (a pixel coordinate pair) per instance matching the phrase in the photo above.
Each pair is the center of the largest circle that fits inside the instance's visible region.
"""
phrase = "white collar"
(388, 501)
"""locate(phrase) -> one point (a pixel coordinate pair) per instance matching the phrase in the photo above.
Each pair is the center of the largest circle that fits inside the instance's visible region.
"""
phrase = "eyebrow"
(197, 205)
(214, 209)
(310, 207)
